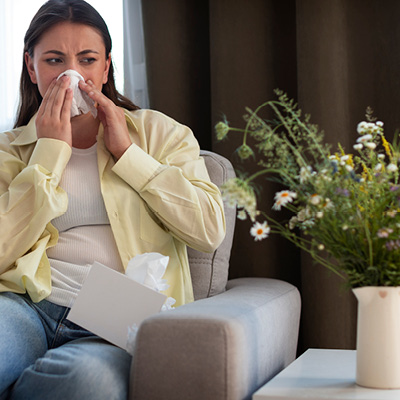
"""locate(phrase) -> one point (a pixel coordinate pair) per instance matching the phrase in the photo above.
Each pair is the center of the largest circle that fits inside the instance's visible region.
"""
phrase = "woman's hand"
(116, 134)
(54, 115)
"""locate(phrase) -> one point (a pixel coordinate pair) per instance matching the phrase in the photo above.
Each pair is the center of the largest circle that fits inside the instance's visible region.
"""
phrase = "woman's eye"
(54, 60)
(88, 60)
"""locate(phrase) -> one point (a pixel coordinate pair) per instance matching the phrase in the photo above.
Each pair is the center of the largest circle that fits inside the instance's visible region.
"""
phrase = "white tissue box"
(110, 303)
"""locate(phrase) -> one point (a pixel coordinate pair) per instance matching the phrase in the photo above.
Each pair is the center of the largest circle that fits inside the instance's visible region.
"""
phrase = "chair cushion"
(210, 270)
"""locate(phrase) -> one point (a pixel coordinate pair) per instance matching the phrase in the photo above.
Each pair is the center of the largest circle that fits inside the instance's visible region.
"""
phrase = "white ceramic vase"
(378, 337)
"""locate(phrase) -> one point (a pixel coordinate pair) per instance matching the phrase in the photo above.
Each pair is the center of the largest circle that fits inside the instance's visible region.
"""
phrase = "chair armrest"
(222, 347)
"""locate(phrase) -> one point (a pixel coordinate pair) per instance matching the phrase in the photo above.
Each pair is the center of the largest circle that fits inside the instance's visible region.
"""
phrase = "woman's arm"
(170, 176)
(174, 182)
(29, 195)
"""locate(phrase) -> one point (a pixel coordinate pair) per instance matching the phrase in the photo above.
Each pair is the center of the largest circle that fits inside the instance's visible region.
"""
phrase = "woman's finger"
(54, 97)
(66, 108)
(46, 97)
(57, 97)
(54, 117)
(95, 94)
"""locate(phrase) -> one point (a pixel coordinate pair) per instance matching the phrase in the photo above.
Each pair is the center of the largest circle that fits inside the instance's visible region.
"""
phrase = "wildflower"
(392, 245)
(321, 247)
(315, 199)
(305, 174)
(378, 167)
(376, 129)
(282, 198)
(381, 156)
(394, 188)
(364, 138)
(345, 227)
(384, 232)
(327, 203)
(358, 146)
(386, 146)
(343, 192)
(260, 231)
(242, 215)
(319, 214)
(238, 193)
(245, 151)
(293, 222)
(391, 213)
(370, 145)
(392, 167)
(308, 224)
(303, 214)
(362, 127)
(222, 129)
(379, 123)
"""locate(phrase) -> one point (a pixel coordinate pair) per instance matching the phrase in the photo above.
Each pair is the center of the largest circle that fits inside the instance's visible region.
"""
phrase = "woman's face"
(68, 46)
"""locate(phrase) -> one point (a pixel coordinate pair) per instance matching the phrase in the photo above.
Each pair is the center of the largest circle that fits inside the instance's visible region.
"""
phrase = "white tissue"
(81, 103)
(148, 269)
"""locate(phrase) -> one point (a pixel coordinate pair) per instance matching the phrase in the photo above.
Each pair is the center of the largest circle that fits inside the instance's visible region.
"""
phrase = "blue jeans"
(44, 356)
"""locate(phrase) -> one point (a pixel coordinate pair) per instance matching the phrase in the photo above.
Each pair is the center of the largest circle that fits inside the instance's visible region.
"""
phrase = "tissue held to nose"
(81, 103)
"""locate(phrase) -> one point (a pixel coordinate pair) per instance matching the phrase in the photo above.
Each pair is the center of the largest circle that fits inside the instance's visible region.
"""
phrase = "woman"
(83, 189)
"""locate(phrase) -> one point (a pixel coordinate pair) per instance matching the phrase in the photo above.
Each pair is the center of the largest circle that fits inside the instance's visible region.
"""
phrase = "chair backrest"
(210, 270)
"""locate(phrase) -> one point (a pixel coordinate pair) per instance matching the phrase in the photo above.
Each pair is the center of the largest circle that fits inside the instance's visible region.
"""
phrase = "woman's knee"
(90, 369)
(22, 338)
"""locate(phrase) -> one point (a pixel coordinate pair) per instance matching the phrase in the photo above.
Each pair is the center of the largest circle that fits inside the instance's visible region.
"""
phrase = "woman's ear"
(30, 67)
(108, 63)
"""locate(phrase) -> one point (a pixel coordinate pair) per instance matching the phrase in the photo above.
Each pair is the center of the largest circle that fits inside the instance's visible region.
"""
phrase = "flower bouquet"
(345, 206)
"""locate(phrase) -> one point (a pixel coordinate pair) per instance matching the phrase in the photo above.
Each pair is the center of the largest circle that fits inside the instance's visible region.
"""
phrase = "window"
(15, 16)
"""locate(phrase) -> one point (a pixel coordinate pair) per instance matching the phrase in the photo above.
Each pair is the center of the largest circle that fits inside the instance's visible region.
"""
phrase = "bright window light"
(15, 16)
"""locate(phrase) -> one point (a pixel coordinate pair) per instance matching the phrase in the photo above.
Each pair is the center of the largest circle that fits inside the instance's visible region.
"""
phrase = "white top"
(324, 375)
(85, 234)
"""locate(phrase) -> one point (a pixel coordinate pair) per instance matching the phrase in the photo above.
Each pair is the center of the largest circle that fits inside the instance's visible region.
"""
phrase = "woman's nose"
(73, 65)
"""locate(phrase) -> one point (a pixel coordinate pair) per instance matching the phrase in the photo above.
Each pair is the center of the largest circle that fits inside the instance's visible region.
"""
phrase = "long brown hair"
(50, 14)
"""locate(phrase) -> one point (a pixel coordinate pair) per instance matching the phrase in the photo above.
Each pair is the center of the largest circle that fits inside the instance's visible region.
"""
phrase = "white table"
(321, 374)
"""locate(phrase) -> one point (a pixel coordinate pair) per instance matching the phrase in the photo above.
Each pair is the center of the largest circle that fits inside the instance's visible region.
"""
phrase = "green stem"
(267, 171)
(303, 244)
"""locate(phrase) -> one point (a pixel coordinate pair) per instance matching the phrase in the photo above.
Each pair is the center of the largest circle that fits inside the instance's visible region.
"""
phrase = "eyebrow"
(81, 53)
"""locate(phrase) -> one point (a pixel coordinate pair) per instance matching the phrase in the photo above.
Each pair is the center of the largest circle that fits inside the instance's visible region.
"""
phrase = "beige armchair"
(236, 336)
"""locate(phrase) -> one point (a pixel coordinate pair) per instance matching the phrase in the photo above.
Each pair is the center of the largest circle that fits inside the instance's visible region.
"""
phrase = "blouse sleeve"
(29, 196)
(172, 179)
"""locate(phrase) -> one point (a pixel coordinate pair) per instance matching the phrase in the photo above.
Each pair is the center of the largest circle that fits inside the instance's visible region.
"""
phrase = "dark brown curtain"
(212, 58)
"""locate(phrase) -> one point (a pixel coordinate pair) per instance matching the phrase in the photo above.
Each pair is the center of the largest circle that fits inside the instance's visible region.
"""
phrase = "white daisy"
(370, 145)
(260, 231)
(392, 167)
(378, 167)
(282, 198)
(362, 127)
(315, 199)
(364, 138)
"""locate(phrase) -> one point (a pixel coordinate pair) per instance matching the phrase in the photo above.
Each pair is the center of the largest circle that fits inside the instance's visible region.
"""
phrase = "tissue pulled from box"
(148, 269)
(81, 102)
